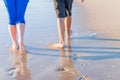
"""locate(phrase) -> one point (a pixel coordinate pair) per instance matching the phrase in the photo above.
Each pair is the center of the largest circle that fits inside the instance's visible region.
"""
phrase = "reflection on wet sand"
(67, 70)
(19, 70)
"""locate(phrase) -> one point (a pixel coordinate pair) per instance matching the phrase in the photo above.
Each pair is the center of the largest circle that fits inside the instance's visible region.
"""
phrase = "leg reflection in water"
(67, 70)
(19, 71)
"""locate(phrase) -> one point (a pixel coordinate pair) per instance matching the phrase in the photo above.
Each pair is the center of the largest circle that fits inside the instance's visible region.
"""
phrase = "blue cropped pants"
(16, 10)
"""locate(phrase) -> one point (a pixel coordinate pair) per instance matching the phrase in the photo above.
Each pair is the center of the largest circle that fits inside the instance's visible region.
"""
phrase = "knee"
(20, 20)
(16, 20)
(12, 20)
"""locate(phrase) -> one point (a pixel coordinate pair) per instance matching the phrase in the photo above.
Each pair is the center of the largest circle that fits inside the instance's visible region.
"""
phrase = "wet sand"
(95, 44)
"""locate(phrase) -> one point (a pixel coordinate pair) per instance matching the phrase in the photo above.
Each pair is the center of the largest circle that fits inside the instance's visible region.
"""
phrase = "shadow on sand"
(95, 53)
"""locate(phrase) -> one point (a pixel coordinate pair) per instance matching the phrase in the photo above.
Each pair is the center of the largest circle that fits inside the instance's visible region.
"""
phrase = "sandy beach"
(94, 53)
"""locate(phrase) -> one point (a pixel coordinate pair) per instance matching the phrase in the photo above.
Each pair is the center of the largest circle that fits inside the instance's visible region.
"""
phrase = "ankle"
(21, 44)
(15, 47)
(22, 48)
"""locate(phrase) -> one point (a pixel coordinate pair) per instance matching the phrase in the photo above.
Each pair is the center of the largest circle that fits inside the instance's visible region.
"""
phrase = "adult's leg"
(68, 19)
(13, 32)
(21, 30)
(10, 5)
(61, 14)
(68, 26)
(61, 31)
(21, 8)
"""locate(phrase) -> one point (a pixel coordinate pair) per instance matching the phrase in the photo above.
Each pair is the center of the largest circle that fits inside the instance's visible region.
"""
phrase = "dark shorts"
(63, 8)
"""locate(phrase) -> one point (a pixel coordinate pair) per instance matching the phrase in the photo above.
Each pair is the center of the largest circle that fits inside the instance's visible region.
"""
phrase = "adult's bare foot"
(58, 45)
(68, 43)
(22, 48)
(14, 47)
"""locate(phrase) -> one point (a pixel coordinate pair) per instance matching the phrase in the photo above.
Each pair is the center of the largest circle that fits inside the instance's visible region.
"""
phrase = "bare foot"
(14, 48)
(22, 48)
(68, 43)
(58, 45)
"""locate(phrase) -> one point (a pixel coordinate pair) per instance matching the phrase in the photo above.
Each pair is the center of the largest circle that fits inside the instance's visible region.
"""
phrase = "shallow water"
(94, 51)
